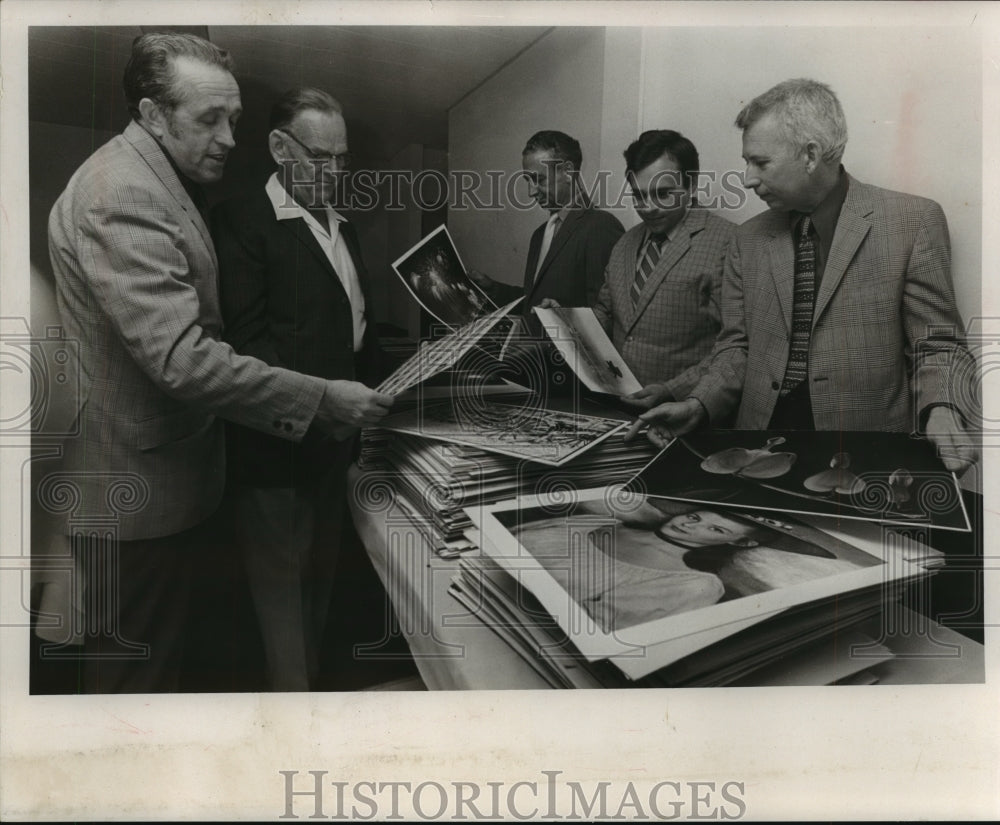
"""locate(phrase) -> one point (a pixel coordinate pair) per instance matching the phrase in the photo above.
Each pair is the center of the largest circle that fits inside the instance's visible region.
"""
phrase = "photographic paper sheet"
(442, 353)
(432, 271)
(526, 431)
(578, 335)
(892, 478)
(622, 572)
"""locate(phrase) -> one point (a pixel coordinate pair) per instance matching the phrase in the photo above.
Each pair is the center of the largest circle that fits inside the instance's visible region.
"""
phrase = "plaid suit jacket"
(886, 336)
(136, 281)
(668, 335)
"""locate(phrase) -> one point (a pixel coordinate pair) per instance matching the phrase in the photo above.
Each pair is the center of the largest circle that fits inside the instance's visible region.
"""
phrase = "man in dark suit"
(838, 310)
(136, 283)
(295, 293)
(567, 253)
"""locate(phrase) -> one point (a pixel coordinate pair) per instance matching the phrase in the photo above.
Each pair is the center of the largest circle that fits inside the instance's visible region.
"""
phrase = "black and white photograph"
(890, 478)
(433, 273)
(578, 336)
(260, 263)
(620, 571)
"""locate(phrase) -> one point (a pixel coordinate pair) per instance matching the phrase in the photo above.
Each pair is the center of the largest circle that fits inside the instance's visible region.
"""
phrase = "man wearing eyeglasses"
(137, 286)
(295, 294)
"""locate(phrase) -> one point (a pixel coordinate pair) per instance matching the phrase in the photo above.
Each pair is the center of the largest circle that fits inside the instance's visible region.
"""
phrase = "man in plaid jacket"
(136, 279)
(883, 350)
(660, 305)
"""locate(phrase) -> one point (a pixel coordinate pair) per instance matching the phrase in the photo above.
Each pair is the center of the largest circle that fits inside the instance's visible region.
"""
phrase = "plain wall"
(55, 153)
(558, 83)
(912, 98)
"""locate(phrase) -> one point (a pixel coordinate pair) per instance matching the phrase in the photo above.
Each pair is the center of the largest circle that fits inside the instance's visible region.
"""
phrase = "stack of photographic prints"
(440, 462)
(609, 588)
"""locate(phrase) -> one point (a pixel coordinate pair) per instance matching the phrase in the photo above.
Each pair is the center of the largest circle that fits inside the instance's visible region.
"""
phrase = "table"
(454, 650)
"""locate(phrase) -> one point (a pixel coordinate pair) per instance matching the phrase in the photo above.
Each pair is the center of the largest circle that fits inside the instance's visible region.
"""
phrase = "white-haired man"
(838, 310)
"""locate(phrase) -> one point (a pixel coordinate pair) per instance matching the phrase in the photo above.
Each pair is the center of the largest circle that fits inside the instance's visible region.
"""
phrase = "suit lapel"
(853, 226)
(672, 252)
(155, 157)
(566, 229)
(300, 229)
(782, 255)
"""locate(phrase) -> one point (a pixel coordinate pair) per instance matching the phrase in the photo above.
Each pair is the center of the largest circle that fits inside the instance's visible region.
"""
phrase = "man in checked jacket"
(136, 282)
(660, 298)
(838, 309)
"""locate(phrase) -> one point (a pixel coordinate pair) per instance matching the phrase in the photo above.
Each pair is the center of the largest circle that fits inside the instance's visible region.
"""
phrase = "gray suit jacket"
(669, 334)
(137, 286)
(885, 341)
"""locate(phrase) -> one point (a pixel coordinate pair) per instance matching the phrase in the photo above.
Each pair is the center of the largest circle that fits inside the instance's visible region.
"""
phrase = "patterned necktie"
(650, 258)
(802, 307)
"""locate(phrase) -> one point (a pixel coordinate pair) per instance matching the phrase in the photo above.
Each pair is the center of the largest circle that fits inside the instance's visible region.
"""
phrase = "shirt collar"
(562, 213)
(287, 208)
(194, 190)
(825, 216)
(674, 232)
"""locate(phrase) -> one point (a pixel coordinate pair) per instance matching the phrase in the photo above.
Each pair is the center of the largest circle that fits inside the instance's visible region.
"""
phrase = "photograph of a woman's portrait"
(655, 558)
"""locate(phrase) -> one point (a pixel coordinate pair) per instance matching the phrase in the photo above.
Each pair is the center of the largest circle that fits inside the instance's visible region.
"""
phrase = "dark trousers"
(289, 541)
(136, 601)
(793, 410)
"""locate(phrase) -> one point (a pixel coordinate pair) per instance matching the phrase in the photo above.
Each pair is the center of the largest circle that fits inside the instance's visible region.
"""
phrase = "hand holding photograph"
(888, 477)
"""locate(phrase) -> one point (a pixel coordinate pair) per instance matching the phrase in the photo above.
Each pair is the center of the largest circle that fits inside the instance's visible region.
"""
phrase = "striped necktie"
(802, 307)
(647, 263)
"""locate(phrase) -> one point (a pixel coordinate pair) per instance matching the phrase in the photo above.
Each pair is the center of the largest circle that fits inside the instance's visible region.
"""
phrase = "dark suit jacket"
(283, 303)
(573, 269)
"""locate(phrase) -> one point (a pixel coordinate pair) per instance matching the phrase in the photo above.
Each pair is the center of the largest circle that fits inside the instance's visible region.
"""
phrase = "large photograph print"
(887, 477)
(622, 574)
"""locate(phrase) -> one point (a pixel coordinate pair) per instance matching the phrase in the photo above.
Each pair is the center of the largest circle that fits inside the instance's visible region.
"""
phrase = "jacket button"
(775, 385)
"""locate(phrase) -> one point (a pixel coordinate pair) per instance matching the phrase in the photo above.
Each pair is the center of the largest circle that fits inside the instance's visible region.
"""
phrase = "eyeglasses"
(342, 160)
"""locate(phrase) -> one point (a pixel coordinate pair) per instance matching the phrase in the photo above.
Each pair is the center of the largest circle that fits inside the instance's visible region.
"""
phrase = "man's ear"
(276, 145)
(814, 156)
(153, 116)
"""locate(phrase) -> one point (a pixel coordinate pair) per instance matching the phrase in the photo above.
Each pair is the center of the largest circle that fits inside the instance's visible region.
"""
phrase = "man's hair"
(150, 72)
(295, 101)
(650, 146)
(808, 112)
(562, 146)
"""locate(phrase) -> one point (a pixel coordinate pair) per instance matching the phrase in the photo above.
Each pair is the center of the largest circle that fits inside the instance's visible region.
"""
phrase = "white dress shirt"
(554, 222)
